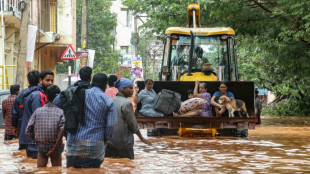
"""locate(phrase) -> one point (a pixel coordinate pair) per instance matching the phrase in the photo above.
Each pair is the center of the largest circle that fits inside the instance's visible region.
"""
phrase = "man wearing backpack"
(85, 75)
(72, 101)
(34, 101)
(85, 147)
(18, 106)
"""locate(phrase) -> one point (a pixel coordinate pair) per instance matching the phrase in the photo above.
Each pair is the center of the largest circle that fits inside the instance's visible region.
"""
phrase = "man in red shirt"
(7, 105)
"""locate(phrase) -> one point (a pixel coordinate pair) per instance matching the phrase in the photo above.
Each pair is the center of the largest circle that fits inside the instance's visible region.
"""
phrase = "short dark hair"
(204, 84)
(51, 92)
(14, 89)
(100, 80)
(190, 91)
(85, 73)
(33, 77)
(224, 83)
(148, 80)
(256, 91)
(44, 73)
(111, 79)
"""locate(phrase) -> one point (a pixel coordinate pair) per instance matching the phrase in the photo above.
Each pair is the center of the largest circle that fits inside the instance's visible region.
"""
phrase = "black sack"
(167, 101)
(72, 102)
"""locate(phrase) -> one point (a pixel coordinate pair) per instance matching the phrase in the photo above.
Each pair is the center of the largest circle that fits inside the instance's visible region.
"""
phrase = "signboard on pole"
(136, 68)
(69, 54)
(127, 60)
(91, 58)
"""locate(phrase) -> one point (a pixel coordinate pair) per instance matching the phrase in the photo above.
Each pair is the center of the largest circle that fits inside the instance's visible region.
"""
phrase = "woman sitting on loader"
(220, 109)
(200, 111)
(147, 97)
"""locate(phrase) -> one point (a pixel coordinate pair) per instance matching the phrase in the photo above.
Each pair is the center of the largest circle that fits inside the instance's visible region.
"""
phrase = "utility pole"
(154, 63)
(22, 50)
(83, 40)
(136, 40)
(84, 25)
(84, 54)
(148, 54)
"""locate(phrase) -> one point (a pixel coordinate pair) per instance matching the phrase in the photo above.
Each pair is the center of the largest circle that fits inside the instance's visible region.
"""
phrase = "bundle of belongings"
(167, 102)
(192, 103)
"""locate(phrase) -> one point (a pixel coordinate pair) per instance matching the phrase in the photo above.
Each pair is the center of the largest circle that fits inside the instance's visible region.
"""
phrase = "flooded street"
(268, 149)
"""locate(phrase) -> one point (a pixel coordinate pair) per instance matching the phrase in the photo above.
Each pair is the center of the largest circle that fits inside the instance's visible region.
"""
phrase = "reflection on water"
(266, 150)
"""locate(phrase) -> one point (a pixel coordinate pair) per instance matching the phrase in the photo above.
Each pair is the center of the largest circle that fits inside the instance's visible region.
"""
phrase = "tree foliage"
(100, 29)
(273, 39)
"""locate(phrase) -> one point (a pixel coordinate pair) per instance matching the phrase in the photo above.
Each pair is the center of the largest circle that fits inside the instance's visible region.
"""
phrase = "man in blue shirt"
(86, 147)
(34, 101)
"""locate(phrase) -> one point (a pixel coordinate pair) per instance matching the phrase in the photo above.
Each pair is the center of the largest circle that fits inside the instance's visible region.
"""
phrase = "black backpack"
(19, 105)
(167, 101)
(72, 102)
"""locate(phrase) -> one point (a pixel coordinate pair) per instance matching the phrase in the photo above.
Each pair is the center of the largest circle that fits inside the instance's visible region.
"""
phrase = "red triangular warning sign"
(69, 54)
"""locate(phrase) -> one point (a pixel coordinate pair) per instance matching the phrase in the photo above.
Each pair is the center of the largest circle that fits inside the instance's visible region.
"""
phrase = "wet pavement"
(267, 149)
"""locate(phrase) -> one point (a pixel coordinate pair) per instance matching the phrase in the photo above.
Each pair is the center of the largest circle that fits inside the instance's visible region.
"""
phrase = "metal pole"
(3, 42)
(194, 18)
(69, 73)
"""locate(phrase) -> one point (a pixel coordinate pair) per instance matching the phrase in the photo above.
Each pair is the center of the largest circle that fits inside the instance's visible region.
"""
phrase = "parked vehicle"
(3, 95)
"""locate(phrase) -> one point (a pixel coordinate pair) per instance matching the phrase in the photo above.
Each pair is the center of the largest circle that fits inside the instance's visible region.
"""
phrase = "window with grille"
(48, 15)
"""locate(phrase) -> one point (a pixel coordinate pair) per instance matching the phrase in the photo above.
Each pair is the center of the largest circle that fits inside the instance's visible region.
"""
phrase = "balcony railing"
(11, 5)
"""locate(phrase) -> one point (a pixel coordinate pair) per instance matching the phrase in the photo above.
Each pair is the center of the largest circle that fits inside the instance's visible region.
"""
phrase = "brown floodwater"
(267, 149)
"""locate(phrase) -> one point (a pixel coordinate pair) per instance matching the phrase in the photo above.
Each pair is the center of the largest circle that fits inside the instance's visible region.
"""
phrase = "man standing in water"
(19, 103)
(51, 118)
(34, 101)
(85, 148)
(7, 105)
(85, 76)
(121, 144)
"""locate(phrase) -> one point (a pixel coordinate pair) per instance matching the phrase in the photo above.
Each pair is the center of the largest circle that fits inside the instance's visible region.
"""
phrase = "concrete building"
(154, 58)
(56, 23)
(124, 29)
(124, 40)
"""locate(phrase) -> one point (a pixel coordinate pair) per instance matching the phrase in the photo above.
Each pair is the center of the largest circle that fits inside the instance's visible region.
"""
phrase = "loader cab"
(216, 52)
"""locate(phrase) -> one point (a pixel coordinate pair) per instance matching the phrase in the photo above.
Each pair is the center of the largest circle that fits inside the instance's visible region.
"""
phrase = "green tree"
(100, 34)
(126, 73)
(273, 40)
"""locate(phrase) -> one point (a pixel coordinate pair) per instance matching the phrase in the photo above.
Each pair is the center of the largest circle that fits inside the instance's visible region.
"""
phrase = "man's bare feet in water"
(175, 114)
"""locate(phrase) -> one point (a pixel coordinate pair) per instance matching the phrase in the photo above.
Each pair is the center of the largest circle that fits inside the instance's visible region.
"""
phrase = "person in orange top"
(111, 91)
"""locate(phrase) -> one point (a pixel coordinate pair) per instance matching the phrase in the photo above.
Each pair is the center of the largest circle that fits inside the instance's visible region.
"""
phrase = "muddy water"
(268, 149)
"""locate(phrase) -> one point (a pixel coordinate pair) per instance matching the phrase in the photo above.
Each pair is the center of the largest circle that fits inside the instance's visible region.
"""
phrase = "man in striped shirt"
(7, 105)
(85, 148)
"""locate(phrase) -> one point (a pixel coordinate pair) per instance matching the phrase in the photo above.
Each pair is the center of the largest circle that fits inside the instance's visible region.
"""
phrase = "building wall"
(11, 54)
(50, 43)
(124, 28)
(66, 30)
(34, 12)
(1, 56)
(66, 22)
(11, 38)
